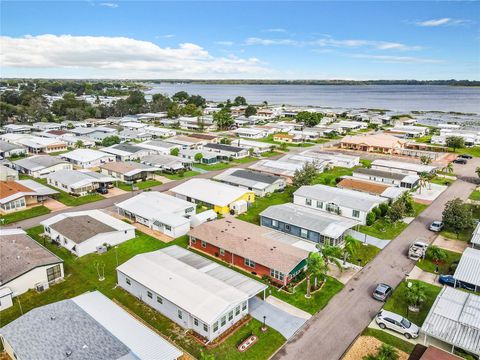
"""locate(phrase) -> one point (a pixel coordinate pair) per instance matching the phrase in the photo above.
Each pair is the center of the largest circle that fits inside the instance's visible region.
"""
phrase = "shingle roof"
(250, 241)
(80, 228)
(19, 253)
(124, 167)
(6, 146)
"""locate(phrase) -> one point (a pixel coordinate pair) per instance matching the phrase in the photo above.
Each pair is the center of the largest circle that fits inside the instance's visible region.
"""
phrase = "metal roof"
(253, 179)
(330, 225)
(468, 269)
(224, 147)
(39, 162)
(476, 235)
(86, 155)
(455, 319)
(380, 173)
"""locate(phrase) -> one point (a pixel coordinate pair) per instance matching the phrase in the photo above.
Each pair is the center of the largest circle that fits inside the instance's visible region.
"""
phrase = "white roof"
(403, 165)
(249, 131)
(140, 339)
(476, 235)
(77, 178)
(211, 192)
(455, 319)
(86, 155)
(276, 167)
(191, 289)
(468, 269)
(251, 144)
(36, 188)
(96, 214)
(154, 205)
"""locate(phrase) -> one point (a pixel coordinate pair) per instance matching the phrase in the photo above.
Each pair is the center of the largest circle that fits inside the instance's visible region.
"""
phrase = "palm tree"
(477, 171)
(424, 180)
(425, 160)
(387, 352)
(316, 267)
(331, 254)
(349, 248)
(415, 294)
(436, 254)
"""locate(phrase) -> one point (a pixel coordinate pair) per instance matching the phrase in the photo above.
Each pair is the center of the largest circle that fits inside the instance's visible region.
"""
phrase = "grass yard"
(186, 174)
(329, 177)
(444, 267)
(213, 167)
(66, 198)
(473, 151)
(475, 195)
(270, 154)
(245, 160)
(140, 185)
(318, 300)
(424, 139)
(365, 253)
(24, 214)
(398, 303)
(439, 180)
(261, 203)
(465, 235)
(81, 276)
(269, 139)
(366, 163)
(389, 339)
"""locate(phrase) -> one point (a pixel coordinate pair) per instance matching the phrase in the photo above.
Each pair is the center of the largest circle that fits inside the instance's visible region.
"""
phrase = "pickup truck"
(417, 250)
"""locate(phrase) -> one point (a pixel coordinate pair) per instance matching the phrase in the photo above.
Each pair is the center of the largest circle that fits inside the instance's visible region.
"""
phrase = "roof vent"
(18, 257)
(68, 352)
(52, 317)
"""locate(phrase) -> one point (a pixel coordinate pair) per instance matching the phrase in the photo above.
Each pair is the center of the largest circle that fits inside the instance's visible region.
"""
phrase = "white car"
(389, 320)
(436, 226)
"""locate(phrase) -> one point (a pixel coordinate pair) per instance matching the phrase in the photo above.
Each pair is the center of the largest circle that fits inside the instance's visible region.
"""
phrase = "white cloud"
(119, 57)
(166, 36)
(110, 5)
(440, 22)
(331, 42)
(398, 59)
(224, 43)
(275, 30)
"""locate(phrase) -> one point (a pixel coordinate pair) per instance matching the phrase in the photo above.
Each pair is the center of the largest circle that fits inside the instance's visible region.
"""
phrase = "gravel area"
(367, 345)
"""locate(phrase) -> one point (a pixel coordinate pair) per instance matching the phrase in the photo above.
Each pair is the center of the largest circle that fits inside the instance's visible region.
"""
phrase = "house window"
(223, 321)
(276, 274)
(195, 321)
(230, 315)
(308, 202)
(355, 213)
(304, 233)
(53, 273)
(215, 326)
(149, 294)
(193, 240)
(319, 204)
(205, 327)
(244, 306)
(204, 244)
(287, 227)
(249, 263)
(127, 280)
(168, 228)
(180, 314)
(274, 223)
(159, 300)
(237, 310)
(222, 251)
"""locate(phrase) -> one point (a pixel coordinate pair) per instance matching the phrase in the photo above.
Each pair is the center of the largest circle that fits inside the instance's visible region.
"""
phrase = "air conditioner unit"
(41, 287)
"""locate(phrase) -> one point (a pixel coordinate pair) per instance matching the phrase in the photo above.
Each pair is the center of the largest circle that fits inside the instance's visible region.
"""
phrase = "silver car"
(436, 226)
(389, 320)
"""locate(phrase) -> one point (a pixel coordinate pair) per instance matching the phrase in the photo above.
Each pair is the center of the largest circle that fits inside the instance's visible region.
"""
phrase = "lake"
(403, 98)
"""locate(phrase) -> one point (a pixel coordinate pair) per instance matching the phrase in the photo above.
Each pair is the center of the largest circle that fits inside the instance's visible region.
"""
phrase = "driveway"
(285, 323)
(332, 330)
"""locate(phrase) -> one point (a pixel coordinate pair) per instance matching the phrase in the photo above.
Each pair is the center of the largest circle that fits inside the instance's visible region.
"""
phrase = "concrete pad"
(429, 194)
(292, 310)
(114, 192)
(345, 275)
(425, 276)
(163, 179)
(408, 220)
(285, 323)
(458, 246)
(54, 205)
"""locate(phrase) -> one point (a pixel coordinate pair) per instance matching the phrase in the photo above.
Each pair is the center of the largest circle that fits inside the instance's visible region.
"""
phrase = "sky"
(355, 40)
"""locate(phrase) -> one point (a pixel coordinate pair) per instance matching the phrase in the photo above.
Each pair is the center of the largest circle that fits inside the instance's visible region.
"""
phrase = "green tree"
(425, 160)
(371, 217)
(316, 267)
(79, 144)
(308, 118)
(387, 352)
(436, 254)
(198, 157)
(173, 111)
(196, 100)
(455, 142)
(239, 100)
(331, 254)
(223, 119)
(180, 96)
(111, 140)
(457, 216)
(190, 110)
(306, 175)
(160, 102)
(415, 294)
(250, 110)
(397, 211)
(449, 169)
(350, 248)
(175, 151)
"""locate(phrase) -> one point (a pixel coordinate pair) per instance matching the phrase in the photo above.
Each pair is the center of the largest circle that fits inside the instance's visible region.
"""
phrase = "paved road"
(329, 333)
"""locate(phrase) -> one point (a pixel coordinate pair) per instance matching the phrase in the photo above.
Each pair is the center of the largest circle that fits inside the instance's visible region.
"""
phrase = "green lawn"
(81, 276)
(365, 253)
(424, 139)
(213, 167)
(328, 177)
(318, 300)
(66, 198)
(270, 154)
(444, 267)
(269, 139)
(439, 180)
(474, 151)
(475, 195)
(24, 214)
(383, 229)
(140, 185)
(366, 163)
(186, 174)
(389, 339)
(245, 160)
(465, 235)
(398, 303)
(261, 203)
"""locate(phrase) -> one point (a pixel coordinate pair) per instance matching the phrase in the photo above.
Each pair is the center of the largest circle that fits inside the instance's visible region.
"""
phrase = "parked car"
(417, 250)
(389, 320)
(460, 161)
(436, 226)
(465, 156)
(102, 190)
(450, 281)
(382, 292)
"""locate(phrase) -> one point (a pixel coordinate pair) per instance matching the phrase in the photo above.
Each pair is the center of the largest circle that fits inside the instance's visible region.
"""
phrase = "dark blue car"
(450, 281)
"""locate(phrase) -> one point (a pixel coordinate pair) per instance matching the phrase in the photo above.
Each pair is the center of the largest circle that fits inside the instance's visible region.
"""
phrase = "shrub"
(371, 218)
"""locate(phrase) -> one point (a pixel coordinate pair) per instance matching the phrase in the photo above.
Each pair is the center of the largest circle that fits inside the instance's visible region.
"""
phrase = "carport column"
(264, 291)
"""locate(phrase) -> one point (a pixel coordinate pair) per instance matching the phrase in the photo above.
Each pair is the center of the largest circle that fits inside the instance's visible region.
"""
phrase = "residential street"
(328, 334)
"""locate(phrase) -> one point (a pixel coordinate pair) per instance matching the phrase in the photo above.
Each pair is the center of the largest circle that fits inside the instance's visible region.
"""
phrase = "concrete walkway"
(425, 276)
(364, 238)
(292, 310)
(54, 205)
(458, 246)
(275, 317)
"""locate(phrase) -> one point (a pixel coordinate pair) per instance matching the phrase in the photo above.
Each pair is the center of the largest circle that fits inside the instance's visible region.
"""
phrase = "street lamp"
(264, 327)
